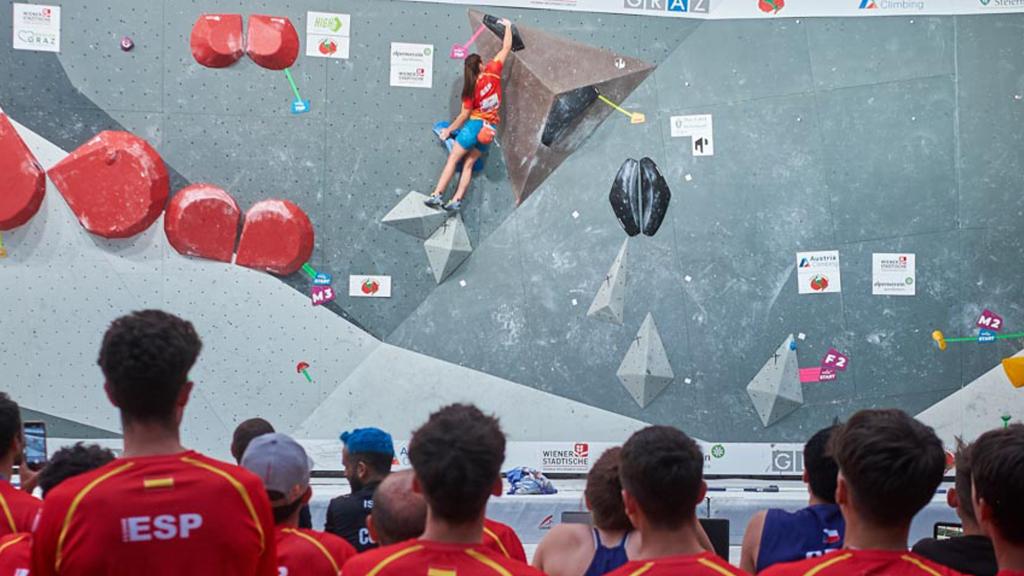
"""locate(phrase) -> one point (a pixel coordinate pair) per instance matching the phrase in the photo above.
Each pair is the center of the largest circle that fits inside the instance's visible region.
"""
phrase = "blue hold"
(478, 166)
(792, 345)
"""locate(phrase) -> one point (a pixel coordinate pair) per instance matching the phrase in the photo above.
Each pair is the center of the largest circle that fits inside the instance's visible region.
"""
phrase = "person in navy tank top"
(579, 549)
(775, 536)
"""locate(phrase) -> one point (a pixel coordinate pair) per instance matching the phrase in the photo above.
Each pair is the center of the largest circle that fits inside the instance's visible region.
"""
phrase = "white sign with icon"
(36, 27)
(412, 65)
(327, 34)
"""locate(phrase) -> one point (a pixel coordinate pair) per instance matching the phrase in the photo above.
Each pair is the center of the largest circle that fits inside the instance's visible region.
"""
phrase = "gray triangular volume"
(447, 248)
(775, 390)
(415, 218)
(610, 300)
(645, 370)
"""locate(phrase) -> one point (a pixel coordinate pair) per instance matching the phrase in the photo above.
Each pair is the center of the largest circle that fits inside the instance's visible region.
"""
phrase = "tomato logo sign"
(328, 47)
(819, 283)
(370, 287)
(771, 6)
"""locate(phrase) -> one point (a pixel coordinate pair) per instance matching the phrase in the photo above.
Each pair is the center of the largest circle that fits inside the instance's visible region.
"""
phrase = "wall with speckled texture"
(881, 134)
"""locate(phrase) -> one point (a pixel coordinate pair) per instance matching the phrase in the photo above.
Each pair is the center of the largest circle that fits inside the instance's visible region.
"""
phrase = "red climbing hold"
(202, 220)
(116, 184)
(217, 40)
(277, 237)
(272, 42)
(22, 180)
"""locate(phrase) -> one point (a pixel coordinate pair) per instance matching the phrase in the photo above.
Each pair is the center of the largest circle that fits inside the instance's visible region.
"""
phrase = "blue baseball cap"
(363, 440)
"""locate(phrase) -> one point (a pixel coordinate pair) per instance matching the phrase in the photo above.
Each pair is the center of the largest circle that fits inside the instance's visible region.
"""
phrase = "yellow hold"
(940, 339)
(1014, 368)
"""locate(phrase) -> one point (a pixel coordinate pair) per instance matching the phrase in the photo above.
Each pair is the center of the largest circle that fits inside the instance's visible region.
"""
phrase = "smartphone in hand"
(35, 445)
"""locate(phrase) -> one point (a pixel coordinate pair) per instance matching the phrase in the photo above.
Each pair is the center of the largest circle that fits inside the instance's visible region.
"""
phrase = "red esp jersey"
(852, 562)
(502, 539)
(15, 554)
(425, 558)
(703, 564)
(302, 552)
(18, 509)
(486, 101)
(160, 515)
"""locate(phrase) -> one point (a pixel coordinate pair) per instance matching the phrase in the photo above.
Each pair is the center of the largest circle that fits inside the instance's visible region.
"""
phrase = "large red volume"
(202, 220)
(272, 42)
(277, 237)
(116, 184)
(22, 179)
(217, 40)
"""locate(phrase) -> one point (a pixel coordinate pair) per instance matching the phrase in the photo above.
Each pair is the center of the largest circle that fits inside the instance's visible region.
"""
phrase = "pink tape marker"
(460, 51)
(812, 374)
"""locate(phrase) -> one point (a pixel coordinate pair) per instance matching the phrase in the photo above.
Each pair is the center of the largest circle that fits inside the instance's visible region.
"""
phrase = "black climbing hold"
(498, 28)
(640, 197)
(656, 197)
(566, 109)
(625, 196)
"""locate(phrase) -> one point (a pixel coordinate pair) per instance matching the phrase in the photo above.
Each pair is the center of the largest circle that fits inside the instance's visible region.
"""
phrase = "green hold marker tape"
(299, 106)
(309, 270)
(301, 368)
(1006, 420)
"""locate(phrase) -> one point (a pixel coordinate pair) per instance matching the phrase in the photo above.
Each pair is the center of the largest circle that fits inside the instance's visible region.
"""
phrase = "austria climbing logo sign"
(771, 6)
(903, 5)
(818, 272)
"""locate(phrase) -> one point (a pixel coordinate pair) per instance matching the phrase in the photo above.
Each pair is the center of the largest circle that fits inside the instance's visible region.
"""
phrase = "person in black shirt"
(367, 457)
(244, 433)
(971, 553)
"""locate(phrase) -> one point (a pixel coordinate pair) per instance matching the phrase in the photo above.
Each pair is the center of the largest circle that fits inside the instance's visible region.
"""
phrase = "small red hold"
(116, 184)
(22, 179)
(202, 220)
(217, 40)
(277, 237)
(272, 42)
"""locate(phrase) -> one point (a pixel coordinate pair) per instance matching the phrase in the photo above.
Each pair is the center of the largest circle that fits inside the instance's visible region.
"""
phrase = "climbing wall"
(665, 301)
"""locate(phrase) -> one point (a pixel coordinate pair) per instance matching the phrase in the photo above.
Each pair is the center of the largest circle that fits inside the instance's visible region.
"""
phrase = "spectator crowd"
(160, 509)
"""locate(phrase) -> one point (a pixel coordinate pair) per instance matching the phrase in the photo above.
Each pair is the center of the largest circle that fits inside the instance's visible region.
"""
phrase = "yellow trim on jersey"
(919, 564)
(487, 562)
(440, 572)
(711, 565)
(491, 75)
(241, 492)
(383, 563)
(317, 544)
(154, 483)
(74, 506)
(7, 513)
(497, 540)
(645, 568)
(12, 542)
(830, 562)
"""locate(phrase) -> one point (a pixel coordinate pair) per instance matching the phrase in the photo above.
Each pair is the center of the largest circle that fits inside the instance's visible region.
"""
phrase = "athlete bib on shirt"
(486, 102)
(157, 516)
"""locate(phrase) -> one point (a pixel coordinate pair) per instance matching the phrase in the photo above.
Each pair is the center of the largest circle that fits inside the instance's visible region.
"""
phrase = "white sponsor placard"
(327, 34)
(699, 128)
(818, 272)
(893, 274)
(36, 27)
(412, 65)
(369, 286)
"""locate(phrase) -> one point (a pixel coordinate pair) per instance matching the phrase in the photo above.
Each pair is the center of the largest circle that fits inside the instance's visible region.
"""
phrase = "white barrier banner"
(735, 9)
(720, 459)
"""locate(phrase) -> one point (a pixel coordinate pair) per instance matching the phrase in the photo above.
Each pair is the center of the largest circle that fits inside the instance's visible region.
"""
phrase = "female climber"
(481, 100)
